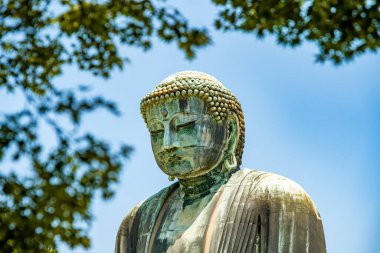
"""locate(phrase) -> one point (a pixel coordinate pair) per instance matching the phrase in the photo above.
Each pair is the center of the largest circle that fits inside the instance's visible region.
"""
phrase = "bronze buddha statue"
(197, 134)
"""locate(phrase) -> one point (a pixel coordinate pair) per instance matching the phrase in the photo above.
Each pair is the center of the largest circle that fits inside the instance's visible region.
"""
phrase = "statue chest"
(182, 227)
(228, 220)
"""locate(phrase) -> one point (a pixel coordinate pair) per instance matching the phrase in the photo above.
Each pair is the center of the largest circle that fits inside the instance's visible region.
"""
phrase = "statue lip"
(174, 154)
(173, 159)
(174, 150)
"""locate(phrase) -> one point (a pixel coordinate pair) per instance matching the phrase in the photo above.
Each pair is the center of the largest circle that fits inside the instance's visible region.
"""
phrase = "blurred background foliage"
(38, 38)
(342, 29)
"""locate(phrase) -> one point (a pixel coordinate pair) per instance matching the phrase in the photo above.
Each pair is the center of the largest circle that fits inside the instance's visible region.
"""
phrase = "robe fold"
(253, 211)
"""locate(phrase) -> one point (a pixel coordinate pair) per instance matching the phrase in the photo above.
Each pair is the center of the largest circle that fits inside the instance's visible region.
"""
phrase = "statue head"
(196, 124)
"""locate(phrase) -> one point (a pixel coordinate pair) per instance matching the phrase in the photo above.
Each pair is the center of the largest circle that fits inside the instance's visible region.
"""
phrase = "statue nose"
(168, 141)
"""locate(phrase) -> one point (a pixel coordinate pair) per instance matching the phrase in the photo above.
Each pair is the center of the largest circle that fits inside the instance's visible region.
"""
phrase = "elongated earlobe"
(230, 161)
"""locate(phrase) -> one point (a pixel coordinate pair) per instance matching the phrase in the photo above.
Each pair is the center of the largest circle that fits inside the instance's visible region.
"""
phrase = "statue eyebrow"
(154, 119)
(176, 115)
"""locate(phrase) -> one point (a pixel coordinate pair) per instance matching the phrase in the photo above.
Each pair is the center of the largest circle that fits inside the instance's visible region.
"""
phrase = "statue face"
(186, 140)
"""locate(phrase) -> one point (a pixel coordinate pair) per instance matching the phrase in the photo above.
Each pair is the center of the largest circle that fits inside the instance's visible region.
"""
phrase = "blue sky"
(315, 124)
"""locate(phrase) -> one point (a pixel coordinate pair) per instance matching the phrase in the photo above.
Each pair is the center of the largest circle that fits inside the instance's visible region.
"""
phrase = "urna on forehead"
(219, 100)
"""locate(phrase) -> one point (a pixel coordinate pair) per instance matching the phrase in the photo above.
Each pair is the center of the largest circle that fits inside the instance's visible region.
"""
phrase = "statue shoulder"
(127, 222)
(158, 197)
(140, 215)
(149, 202)
(277, 191)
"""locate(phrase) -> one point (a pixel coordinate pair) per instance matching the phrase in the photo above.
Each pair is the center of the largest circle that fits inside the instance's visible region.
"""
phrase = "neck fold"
(194, 188)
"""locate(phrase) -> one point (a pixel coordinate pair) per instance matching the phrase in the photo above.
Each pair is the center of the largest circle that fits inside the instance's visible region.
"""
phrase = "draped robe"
(253, 211)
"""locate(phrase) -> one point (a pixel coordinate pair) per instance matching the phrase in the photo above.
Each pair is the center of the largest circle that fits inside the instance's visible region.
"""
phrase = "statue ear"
(232, 132)
(232, 124)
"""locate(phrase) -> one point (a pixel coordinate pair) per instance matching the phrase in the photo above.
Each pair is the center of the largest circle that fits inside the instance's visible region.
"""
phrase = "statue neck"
(195, 188)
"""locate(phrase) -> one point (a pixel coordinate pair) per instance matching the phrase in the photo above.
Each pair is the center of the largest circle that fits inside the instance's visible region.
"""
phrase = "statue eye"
(186, 124)
(156, 128)
(156, 131)
(184, 120)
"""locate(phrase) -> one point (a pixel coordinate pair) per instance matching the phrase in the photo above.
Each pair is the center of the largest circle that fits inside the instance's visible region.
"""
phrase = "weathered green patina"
(197, 135)
(187, 141)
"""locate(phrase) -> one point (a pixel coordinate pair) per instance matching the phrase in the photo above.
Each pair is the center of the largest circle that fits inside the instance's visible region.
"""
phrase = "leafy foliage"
(342, 29)
(38, 38)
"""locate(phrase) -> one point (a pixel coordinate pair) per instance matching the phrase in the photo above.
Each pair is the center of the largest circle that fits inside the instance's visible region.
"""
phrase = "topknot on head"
(191, 78)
